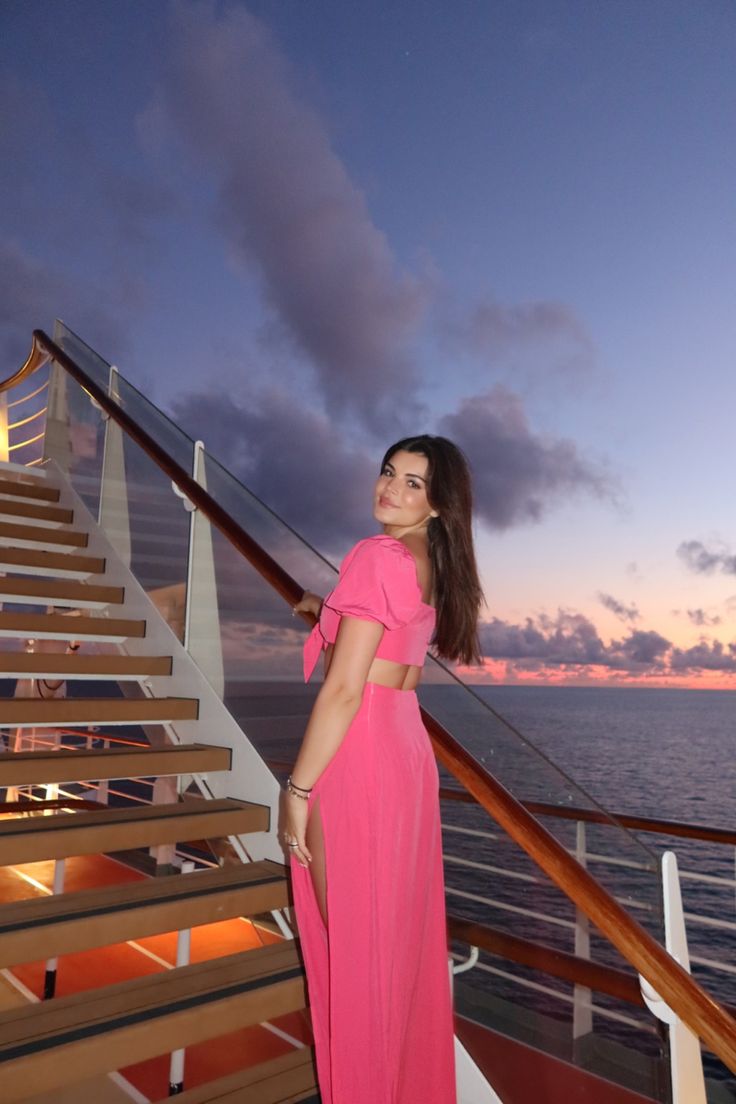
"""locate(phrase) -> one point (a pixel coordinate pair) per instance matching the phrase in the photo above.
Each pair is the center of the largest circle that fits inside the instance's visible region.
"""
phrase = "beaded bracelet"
(297, 791)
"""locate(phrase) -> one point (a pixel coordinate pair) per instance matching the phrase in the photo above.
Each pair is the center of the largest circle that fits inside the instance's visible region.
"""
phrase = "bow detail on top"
(313, 645)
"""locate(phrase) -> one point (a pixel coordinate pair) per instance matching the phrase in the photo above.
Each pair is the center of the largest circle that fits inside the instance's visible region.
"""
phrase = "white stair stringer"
(249, 778)
(472, 1087)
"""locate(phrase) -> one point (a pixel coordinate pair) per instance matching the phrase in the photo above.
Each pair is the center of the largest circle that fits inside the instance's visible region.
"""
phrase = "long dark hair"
(457, 589)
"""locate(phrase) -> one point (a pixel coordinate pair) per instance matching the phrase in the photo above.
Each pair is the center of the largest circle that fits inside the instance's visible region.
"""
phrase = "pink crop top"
(378, 582)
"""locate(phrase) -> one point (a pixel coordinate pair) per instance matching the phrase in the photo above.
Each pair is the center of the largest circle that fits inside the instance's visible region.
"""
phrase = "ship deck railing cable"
(709, 1019)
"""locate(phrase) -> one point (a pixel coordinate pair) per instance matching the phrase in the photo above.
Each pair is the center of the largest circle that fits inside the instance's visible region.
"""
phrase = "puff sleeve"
(378, 582)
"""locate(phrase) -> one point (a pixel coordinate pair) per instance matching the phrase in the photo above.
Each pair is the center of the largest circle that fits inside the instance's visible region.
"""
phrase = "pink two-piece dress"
(377, 973)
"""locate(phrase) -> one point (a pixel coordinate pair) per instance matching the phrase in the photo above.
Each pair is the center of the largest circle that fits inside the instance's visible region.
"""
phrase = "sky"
(306, 228)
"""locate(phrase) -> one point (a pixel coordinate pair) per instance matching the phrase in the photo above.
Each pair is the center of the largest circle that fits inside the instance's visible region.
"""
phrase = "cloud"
(135, 205)
(524, 336)
(294, 459)
(570, 640)
(34, 293)
(517, 473)
(706, 561)
(287, 205)
(623, 612)
(701, 618)
(713, 656)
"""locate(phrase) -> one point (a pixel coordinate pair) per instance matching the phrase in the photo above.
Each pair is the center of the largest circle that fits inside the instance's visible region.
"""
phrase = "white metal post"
(686, 1063)
(103, 784)
(183, 950)
(202, 637)
(582, 1015)
(49, 981)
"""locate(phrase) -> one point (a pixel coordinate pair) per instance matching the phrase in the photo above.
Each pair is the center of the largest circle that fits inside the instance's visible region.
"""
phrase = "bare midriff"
(387, 672)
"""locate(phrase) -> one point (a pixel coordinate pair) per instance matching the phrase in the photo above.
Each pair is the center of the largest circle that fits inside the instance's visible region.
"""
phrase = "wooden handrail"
(703, 1015)
(560, 964)
(626, 820)
(35, 360)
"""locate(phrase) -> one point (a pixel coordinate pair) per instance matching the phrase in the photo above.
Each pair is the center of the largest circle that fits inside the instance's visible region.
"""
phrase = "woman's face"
(400, 498)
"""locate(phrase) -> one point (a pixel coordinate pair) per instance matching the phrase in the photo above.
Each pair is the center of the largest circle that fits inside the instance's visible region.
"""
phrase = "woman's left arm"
(337, 703)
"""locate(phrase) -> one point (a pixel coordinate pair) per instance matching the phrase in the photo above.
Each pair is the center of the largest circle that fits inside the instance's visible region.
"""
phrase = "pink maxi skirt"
(377, 973)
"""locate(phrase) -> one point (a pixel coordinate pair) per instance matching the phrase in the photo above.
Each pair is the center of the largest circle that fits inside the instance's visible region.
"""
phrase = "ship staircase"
(149, 664)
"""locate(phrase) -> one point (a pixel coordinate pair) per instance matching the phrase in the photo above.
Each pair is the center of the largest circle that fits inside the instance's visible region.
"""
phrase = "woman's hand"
(309, 603)
(295, 828)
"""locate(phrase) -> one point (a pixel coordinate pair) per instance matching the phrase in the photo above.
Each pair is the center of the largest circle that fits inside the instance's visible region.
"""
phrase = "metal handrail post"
(582, 1017)
(686, 1063)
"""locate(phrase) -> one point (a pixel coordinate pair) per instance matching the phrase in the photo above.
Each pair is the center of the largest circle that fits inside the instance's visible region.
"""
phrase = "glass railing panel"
(298, 558)
(613, 1039)
(75, 436)
(85, 356)
(261, 645)
(260, 640)
(159, 534)
(148, 416)
(156, 424)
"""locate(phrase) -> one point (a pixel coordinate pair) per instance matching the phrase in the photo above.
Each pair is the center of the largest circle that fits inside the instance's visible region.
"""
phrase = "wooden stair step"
(57, 592)
(55, 1043)
(29, 488)
(38, 927)
(38, 511)
(37, 561)
(31, 839)
(24, 768)
(64, 712)
(59, 626)
(40, 534)
(53, 665)
(288, 1079)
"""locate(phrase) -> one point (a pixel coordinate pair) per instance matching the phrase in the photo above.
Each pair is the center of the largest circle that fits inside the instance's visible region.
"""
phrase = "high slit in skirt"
(377, 972)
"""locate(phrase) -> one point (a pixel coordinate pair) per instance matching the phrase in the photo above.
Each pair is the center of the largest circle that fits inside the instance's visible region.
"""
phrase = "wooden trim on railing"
(36, 359)
(610, 819)
(676, 987)
(560, 964)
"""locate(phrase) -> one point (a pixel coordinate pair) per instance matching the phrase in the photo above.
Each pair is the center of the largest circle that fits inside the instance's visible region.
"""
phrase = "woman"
(361, 807)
